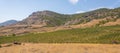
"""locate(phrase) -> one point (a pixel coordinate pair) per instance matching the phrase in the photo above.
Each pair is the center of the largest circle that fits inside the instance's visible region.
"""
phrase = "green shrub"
(13, 34)
(103, 21)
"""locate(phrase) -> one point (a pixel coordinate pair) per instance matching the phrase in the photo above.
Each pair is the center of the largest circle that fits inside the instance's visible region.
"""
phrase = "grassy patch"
(105, 35)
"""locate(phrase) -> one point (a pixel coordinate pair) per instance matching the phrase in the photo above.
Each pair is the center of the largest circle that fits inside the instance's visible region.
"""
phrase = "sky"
(21, 9)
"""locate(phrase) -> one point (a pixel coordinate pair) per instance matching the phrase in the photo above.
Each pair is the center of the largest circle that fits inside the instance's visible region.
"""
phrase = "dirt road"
(61, 48)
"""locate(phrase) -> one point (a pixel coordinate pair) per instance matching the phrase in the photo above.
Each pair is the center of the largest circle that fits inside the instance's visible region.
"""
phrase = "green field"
(103, 35)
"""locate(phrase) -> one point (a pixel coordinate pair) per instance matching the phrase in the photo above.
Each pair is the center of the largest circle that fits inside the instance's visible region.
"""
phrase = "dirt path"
(61, 48)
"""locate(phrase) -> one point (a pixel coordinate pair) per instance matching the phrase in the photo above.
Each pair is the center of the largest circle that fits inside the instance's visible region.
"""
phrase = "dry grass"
(117, 22)
(61, 48)
(22, 29)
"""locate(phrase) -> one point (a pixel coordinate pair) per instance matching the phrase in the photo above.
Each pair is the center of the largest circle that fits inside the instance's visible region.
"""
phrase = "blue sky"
(20, 9)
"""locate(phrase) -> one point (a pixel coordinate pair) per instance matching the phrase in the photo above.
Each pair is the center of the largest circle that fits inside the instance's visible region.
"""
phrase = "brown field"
(61, 48)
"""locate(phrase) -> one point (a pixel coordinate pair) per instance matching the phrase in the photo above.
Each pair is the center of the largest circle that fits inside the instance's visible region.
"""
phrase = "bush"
(17, 43)
(13, 34)
(0, 46)
(103, 21)
(115, 42)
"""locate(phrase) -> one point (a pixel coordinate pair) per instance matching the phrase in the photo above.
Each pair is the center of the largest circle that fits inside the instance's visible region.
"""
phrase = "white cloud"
(80, 12)
(92, 9)
(99, 8)
(73, 1)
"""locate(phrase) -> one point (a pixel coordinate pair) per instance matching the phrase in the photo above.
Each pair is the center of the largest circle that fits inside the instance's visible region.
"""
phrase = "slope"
(44, 21)
(104, 35)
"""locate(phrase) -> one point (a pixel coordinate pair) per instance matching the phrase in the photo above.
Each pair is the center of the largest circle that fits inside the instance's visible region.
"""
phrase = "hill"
(47, 21)
(101, 35)
(49, 18)
(9, 22)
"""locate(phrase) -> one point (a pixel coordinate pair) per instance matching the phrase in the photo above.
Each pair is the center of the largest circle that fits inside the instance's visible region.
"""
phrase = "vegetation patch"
(102, 35)
(0, 46)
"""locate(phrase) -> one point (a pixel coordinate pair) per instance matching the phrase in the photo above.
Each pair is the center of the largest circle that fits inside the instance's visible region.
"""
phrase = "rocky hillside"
(49, 18)
(44, 18)
(44, 21)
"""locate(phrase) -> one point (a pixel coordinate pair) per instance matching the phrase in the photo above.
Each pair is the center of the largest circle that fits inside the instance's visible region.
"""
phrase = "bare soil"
(61, 48)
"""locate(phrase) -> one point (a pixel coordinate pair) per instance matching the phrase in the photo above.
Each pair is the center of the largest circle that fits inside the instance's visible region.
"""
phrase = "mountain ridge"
(56, 19)
(9, 22)
(45, 21)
